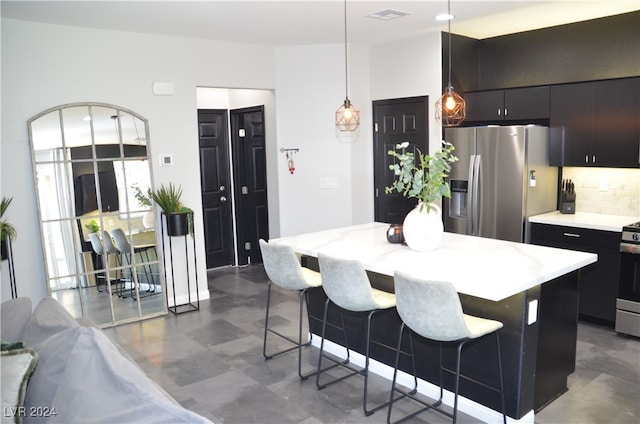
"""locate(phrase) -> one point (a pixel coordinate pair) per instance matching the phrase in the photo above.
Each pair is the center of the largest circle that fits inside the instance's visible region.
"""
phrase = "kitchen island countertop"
(481, 267)
(593, 221)
(532, 290)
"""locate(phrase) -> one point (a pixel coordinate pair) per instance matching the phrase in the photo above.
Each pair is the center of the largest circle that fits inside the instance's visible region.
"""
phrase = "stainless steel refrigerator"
(502, 177)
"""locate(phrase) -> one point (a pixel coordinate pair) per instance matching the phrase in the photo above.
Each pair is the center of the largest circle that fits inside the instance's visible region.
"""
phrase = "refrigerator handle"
(470, 196)
(477, 193)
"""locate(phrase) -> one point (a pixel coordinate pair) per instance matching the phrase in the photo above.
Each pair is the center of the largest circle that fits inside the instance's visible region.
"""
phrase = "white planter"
(423, 231)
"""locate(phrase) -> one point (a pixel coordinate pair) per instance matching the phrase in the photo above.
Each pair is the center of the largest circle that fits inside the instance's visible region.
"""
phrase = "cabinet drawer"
(573, 235)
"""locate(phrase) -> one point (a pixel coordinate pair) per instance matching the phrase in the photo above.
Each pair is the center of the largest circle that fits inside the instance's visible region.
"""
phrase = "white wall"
(47, 65)
(310, 85)
(407, 68)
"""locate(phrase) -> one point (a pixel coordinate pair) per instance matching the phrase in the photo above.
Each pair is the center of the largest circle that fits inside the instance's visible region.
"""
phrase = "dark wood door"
(396, 121)
(250, 173)
(215, 182)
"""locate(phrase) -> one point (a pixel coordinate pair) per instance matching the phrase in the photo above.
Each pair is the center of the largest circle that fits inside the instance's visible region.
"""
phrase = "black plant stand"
(7, 253)
(190, 306)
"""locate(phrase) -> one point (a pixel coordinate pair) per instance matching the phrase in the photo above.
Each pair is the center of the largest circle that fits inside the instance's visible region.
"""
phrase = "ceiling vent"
(387, 14)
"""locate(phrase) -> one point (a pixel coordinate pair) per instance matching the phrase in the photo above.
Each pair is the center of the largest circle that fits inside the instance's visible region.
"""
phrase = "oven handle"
(634, 249)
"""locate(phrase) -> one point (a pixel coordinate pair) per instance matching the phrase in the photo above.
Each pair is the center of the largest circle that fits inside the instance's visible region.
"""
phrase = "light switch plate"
(166, 160)
(163, 88)
(329, 182)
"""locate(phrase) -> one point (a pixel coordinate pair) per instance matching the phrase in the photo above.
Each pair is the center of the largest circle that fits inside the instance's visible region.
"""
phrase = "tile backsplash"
(612, 191)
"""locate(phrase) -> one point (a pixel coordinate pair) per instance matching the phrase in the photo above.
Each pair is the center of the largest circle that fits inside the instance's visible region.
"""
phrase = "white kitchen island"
(531, 289)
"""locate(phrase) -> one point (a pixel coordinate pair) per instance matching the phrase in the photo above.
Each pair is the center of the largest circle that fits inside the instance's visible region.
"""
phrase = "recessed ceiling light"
(387, 14)
(444, 17)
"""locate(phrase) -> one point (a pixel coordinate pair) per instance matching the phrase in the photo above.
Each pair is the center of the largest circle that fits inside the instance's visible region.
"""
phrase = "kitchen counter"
(481, 267)
(593, 221)
(532, 290)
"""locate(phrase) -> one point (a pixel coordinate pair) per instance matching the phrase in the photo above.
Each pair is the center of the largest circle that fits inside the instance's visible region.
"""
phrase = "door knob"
(223, 199)
(222, 188)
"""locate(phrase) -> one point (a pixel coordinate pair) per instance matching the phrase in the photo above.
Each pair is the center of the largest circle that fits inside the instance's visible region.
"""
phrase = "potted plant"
(179, 217)
(422, 176)
(144, 199)
(7, 231)
(92, 226)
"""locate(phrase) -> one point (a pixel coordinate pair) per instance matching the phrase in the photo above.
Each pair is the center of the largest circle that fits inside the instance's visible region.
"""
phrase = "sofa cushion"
(16, 366)
(48, 318)
(14, 316)
(85, 378)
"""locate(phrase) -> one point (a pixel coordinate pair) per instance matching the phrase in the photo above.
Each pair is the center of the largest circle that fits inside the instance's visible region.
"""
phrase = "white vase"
(423, 230)
(149, 220)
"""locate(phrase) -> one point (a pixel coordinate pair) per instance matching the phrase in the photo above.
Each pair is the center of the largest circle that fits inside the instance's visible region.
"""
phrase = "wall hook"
(289, 155)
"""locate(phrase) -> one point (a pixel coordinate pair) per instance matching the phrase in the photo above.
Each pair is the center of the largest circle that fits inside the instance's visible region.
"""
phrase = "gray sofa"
(81, 376)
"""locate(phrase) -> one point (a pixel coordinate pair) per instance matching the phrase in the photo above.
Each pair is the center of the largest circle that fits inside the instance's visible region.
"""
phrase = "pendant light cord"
(449, 27)
(346, 67)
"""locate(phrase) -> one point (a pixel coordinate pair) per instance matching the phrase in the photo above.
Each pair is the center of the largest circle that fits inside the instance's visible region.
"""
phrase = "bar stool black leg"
(504, 412)
(395, 375)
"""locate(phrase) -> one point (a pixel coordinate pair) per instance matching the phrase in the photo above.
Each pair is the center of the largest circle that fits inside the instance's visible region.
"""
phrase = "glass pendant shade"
(451, 109)
(347, 117)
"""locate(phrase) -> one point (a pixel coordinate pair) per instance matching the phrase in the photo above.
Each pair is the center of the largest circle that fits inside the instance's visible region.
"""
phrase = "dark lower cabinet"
(598, 287)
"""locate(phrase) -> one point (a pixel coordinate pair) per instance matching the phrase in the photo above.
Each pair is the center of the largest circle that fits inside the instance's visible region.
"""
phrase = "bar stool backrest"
(109, 248)
(121, 240)
(431, 309)
(282, 266)
(96, 244)
(346, 283)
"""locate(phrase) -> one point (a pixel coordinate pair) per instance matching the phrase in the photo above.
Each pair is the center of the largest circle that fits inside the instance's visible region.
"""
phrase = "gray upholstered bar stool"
(284, 270)
(125, 248)
(103, 248)
(96, 245)
(347, 285)
(432, 309)
(110, 249)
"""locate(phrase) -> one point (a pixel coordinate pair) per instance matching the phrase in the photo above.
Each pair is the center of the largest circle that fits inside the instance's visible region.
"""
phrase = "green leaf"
(422, 176)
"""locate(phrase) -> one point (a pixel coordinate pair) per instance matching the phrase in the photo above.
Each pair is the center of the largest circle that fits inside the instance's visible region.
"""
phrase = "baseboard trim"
(425, 388)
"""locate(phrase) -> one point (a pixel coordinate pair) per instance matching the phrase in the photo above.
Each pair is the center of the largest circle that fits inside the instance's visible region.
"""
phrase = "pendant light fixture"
(450, 107)
(347, 115)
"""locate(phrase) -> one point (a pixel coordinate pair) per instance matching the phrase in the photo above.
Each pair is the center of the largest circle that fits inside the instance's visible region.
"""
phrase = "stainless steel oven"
(628, 302)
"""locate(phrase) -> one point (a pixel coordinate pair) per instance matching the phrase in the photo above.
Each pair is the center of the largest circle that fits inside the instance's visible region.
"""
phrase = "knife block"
(568, 208)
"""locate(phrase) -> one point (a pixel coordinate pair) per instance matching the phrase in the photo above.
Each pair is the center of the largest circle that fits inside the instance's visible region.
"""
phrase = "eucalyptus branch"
(425, 180)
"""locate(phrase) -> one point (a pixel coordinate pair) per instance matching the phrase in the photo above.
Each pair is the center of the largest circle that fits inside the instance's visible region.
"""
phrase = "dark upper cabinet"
(596, 124)
(571, 120)
(515, 104)
(616, 123)
(484, 105)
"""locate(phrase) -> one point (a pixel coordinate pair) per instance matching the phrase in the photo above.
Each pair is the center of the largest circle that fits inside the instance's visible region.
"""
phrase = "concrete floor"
(211, 362)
